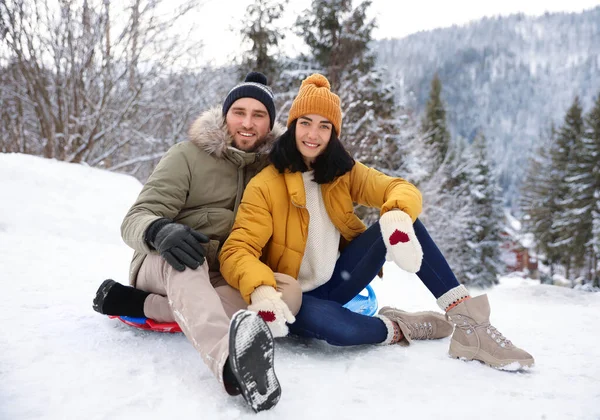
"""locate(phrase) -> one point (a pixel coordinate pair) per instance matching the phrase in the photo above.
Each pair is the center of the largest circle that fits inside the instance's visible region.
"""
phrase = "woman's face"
(313, 132)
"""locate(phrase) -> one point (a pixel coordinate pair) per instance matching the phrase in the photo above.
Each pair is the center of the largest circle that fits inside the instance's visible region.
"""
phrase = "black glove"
(178, 244)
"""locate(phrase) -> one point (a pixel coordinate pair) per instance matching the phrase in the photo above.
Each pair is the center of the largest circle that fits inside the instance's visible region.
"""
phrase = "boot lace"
(468, 325)
(497, 335)
(420, 330)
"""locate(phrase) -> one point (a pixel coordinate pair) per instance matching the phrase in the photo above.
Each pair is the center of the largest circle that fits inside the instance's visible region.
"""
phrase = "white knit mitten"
(266, 301)
(399, 237)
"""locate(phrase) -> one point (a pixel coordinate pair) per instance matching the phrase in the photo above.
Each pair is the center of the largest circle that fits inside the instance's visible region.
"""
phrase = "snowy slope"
(59, 238)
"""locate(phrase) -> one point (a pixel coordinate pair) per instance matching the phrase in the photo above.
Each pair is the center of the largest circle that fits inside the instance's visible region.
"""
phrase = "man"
(177, 225)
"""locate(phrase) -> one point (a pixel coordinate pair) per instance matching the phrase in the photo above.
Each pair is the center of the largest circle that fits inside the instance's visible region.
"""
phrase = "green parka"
(198, 183)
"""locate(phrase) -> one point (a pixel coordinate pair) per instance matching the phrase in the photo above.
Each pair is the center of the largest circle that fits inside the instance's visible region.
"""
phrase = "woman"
(297, 211)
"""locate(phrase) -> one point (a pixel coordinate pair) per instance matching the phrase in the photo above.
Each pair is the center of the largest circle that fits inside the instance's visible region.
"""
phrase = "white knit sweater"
(323, 240)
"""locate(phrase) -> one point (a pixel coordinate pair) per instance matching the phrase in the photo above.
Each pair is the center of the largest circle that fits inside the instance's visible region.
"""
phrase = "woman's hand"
(399, 237)
(266, 301)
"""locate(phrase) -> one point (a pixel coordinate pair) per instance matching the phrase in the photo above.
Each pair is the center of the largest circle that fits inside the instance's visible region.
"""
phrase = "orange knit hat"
(315, 97)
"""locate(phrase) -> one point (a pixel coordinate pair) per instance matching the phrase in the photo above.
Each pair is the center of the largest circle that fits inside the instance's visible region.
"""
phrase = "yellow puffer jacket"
(271, 227)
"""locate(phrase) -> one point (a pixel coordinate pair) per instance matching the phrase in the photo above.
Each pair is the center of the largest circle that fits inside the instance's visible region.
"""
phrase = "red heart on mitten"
(267, 316)
(398, 236)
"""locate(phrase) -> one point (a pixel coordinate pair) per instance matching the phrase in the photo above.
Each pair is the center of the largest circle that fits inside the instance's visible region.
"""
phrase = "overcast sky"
(219, 21)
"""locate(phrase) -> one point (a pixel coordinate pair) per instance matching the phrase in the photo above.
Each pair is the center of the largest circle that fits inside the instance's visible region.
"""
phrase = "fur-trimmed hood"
(209, 133)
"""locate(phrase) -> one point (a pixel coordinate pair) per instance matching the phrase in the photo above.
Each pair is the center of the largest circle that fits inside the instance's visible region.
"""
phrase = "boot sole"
(251, 355)
(458, 351)
(101, 295)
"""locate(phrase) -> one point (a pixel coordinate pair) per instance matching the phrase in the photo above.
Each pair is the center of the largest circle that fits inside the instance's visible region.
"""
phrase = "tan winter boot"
(426, 325)
(475, 338)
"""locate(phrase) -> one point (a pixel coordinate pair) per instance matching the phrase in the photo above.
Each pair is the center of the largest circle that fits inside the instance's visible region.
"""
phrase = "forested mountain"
(509, 77)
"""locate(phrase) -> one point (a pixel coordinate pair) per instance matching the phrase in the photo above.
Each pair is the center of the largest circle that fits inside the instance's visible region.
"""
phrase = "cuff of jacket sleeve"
(152, 231)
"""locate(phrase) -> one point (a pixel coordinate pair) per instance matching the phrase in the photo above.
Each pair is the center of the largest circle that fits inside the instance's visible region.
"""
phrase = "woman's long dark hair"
(333, 162)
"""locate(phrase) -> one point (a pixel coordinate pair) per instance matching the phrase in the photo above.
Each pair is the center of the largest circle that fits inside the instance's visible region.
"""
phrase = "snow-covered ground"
(59, 238)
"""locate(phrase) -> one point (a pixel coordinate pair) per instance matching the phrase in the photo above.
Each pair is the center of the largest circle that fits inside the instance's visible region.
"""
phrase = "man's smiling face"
(248, 123)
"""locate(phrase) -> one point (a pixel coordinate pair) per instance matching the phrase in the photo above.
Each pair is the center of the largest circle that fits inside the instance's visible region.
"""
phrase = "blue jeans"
(322, 315)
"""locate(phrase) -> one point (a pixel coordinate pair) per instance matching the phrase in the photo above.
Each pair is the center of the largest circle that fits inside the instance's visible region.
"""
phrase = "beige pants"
(202, 303)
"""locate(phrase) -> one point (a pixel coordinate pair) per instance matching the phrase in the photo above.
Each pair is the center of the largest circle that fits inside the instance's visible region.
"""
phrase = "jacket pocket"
(215, 223)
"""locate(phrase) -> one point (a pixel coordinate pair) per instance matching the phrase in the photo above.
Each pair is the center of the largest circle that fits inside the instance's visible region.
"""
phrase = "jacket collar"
(295, 187)
(209, 133)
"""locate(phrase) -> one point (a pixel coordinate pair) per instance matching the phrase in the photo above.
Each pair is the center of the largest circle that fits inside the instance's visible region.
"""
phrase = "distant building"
(517, 247)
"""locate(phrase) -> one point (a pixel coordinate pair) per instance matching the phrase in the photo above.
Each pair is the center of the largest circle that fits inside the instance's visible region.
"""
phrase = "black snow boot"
(113, 298)
(251, 354)
(230, 381)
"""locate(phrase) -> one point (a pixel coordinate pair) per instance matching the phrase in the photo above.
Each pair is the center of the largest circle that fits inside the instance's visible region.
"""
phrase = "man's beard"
(252, 148)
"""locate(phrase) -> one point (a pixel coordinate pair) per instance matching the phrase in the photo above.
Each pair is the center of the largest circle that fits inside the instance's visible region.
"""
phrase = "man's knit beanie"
(254, 86)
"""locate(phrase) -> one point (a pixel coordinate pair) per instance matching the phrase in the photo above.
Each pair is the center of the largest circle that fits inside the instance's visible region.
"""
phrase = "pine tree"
(592, 142)
(434, 125)
(538, 200)
(261, 31)
(445, 184)
(324, 28)
(484, 229)
(448, 207)
(580, 201)
(565, 159)
(372, 121)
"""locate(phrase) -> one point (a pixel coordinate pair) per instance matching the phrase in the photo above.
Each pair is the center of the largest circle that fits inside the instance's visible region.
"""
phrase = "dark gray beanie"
(254, 86)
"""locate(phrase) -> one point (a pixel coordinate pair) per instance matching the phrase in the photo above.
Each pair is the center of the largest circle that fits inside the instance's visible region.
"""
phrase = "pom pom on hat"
(315, 97)
(318, 80)
(256, 77)
(254, 86)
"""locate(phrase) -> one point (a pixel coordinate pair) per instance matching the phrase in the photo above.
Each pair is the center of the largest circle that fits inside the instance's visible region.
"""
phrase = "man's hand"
(266, 300)
(180, 246)
(399, 237)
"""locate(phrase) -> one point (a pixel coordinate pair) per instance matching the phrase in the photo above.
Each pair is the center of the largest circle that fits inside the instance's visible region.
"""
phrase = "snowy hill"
(507, 76)
(59, 238)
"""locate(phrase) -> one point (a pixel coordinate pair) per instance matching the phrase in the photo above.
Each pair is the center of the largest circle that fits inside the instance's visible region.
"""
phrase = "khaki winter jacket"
(198, 183)
(271, 227)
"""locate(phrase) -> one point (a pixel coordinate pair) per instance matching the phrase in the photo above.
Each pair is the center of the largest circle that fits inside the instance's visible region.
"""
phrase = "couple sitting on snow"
(247, 232)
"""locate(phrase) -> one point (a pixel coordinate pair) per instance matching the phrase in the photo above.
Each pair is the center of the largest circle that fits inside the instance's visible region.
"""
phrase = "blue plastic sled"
(362, 304)
(365, 305)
